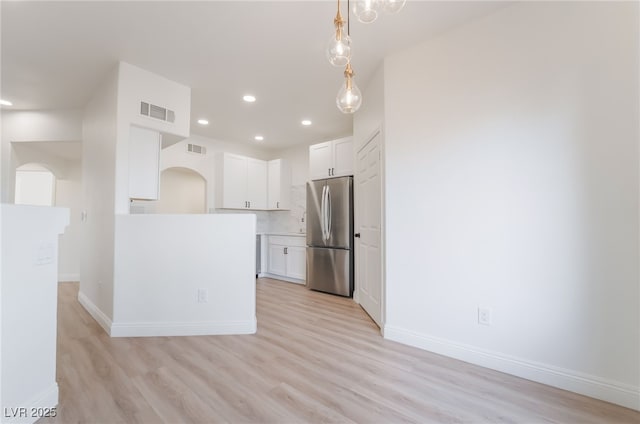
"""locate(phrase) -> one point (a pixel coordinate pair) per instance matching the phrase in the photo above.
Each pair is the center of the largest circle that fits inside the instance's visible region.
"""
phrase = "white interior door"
(368, 223)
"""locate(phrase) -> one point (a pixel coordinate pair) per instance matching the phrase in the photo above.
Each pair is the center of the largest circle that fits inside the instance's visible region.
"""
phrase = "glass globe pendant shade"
(393, 6)
(349, 97)
(366, 10)
(339, 48)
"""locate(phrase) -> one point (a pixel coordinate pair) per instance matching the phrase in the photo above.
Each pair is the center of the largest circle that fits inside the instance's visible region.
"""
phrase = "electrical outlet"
(203, 296)
(44, 254)
(484, 316)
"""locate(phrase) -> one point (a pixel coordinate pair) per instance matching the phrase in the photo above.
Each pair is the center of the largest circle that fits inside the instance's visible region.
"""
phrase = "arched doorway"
(35, 185)
(182, 191)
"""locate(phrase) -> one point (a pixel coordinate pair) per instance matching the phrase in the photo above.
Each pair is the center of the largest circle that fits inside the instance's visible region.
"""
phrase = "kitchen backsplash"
(294, 220)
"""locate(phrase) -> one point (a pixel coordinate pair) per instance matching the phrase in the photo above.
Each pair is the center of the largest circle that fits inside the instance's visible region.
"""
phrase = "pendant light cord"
(348, 19)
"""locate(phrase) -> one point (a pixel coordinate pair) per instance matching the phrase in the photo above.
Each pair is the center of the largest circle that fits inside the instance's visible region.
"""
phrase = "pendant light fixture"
(349, 96)
(367, 10)
(339, 46)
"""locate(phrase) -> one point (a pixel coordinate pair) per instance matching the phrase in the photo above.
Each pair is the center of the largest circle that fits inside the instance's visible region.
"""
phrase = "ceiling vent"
(157, 112)
(194, 148)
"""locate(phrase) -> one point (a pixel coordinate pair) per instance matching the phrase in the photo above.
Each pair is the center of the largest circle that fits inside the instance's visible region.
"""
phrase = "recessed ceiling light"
(203, 122)
(249, 98)
(259, 138)
(306, 122)
(6, 103)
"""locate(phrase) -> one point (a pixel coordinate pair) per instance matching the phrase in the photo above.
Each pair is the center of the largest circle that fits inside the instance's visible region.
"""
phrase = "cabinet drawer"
(288, 241)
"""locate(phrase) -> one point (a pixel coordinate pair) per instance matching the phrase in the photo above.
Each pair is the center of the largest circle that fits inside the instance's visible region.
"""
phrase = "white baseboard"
(159, 329)
(584, 384)
(68, 277)
(33, 409)
(95, 312)
(207, 328)
(284, 278)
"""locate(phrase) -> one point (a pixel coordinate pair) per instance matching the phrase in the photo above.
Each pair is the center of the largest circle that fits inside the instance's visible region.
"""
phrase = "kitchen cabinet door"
(234, 182)
(320, 158)
(277, 260)
(144, 163)
(287, 258)
(241, 182)
(331, 159)
(256, 191)
(279, 185)
(296, 262)
(342, 157)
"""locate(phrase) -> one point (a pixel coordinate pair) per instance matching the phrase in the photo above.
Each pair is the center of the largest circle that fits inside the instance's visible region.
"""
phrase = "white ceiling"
(55, 53)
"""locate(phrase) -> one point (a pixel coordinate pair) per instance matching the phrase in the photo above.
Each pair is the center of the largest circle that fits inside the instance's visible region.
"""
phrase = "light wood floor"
(315, 358)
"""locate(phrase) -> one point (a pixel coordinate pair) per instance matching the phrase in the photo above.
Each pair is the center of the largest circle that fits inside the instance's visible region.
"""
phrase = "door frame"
(379, 130)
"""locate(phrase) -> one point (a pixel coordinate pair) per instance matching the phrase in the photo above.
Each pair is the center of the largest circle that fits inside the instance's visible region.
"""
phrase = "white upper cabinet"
(241, 182)
(234, 180)
(256, 183)
(342, 157)
(331, 159)
(320, 160)
(279, 185)
(144, 163)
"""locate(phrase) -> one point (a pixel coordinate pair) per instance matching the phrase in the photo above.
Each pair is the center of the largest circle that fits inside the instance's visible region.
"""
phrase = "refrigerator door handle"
(323, 213)
(328, 213)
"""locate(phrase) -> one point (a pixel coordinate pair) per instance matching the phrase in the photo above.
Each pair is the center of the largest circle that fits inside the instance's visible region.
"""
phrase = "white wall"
(182, 191)
(136, 85)
(29, 304)
(512, 183)
(298, 158)
(69, 195)
(107, 120)
(35, 187)
(98, 195)
(25, 126)
(163, 260)
(55, 128)
(370, 117)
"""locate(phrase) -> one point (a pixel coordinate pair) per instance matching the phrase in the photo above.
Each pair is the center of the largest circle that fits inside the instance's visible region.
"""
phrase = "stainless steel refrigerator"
(330, 235)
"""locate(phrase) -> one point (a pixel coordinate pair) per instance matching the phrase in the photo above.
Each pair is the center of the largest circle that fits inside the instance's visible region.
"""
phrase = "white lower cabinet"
(296, 262)
(277, 259)
(287, 258)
